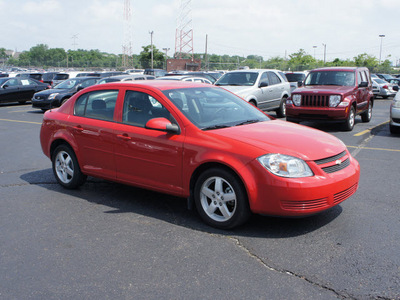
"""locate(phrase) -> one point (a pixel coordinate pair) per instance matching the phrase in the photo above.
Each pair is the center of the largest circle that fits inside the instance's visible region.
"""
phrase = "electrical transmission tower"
(127, 46)
(184, 31)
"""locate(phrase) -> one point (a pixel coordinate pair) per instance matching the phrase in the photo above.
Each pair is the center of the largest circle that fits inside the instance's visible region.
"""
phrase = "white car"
(395, 114)
(382, 88)
(266, 89)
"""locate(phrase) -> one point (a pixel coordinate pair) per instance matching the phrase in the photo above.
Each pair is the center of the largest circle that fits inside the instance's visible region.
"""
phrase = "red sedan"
(201, 142)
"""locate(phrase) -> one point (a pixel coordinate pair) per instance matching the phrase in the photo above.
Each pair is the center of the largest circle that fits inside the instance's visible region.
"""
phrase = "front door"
(145, 157)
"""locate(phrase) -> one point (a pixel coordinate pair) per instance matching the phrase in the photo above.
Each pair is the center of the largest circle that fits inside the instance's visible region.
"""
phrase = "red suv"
(333, 94)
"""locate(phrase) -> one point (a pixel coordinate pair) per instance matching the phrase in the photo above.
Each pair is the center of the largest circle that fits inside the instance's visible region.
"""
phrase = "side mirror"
(300, 83)
(396, 88)
(263, 84)
(162, 124)
(363, 84)
(5, 86)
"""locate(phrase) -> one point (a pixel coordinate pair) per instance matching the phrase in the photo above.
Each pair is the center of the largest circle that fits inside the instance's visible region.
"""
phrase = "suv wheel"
(281, 111)
(367, 115)
(349, 124)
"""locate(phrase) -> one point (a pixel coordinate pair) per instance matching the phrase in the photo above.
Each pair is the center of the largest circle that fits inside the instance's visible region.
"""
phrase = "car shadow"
(122, 199)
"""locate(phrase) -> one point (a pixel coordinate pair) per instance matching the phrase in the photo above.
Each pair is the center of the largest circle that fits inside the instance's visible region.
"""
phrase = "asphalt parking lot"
(110, 241)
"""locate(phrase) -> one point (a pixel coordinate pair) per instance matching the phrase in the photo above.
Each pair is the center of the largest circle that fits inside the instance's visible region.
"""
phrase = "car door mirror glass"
(363, 84)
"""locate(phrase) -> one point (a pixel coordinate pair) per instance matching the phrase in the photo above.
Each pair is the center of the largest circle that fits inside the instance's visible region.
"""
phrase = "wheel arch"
(206, 166)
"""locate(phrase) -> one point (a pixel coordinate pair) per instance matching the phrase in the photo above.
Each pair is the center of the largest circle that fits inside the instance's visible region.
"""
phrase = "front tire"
(221, 199)
(66, 168)
(351, 119)
(281, 111)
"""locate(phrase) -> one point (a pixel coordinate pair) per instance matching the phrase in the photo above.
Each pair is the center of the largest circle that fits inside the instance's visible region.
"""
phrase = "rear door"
(92, 126)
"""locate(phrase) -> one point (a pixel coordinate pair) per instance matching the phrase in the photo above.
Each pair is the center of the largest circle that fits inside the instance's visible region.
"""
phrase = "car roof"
(253, 71)
(338, 69)
(161, 85)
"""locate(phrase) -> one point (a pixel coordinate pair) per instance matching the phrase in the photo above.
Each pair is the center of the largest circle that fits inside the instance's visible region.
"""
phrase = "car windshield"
(292, 77)
(238, 78)
(4, 79)
(68, 84)
(341, 78)
(212, 108)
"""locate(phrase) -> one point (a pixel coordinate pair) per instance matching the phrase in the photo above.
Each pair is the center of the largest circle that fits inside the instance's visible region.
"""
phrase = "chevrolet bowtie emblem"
(338, 162)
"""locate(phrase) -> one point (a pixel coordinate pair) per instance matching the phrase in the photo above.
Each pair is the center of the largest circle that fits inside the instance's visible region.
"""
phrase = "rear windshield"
(292, 77)
(61, 76)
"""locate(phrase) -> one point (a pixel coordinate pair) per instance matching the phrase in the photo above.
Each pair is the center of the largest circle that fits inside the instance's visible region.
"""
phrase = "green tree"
(145, 57)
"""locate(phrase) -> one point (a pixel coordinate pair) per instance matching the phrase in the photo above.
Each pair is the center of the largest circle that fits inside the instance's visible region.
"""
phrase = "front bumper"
(273, 195)
(299, 113)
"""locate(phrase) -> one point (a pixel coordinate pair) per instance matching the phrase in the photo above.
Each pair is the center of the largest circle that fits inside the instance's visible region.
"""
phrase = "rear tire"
(367, 115)
(66, 168)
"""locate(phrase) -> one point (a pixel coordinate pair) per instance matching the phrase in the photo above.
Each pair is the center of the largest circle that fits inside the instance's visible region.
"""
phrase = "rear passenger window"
(97, 105)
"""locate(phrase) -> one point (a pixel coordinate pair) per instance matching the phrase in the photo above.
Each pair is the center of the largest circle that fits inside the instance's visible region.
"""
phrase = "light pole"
(315, 47)
(151, 38)
(166, 56)
(380, 52)
(324, 52)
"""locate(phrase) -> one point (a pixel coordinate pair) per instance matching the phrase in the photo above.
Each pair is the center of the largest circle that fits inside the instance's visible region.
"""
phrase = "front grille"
(339, 197)
(337, 167)
(330, 159)
(304, 205)
(334, 163)
(315, 100)
(39, 97)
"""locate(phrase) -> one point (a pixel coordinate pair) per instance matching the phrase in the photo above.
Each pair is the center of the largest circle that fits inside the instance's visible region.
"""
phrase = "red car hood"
(325, 89)
(285, 138)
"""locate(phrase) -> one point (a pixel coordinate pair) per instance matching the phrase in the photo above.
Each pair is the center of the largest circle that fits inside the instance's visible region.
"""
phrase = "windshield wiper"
(216, 127)
(248, 122)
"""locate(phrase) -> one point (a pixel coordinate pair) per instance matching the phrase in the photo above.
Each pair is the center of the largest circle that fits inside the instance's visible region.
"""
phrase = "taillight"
(386, 87)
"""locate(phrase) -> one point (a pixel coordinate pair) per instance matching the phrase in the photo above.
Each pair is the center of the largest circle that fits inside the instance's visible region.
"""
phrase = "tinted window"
(273, 78)
(97, 105)
(238, 78)
(293, 77)
(141, 107)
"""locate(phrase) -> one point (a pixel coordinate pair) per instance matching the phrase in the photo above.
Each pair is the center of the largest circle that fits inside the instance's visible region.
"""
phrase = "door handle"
(78, 128)
(124, 137)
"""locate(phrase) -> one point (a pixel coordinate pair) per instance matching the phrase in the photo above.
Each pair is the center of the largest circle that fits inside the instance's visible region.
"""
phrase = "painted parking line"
(19, 121)
(371, 148)
(370, 129)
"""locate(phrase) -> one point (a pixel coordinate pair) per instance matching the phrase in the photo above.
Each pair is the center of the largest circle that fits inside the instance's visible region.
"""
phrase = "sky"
(267, 28)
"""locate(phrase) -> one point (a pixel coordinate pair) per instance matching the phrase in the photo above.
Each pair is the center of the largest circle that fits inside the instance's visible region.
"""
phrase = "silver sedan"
(395, 114)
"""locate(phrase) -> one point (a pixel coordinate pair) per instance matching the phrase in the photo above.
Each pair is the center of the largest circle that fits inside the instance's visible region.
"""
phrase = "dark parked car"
(3, 75)
(60, 93)
(15, 89)
(36, 76)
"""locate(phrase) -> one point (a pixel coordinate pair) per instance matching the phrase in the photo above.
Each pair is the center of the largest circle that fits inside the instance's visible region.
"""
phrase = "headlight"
(334, 100)
(296, 98)
(52, 96)
(285, 165)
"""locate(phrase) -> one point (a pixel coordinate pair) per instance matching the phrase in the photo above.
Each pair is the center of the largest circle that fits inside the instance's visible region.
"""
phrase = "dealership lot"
(107, 240)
